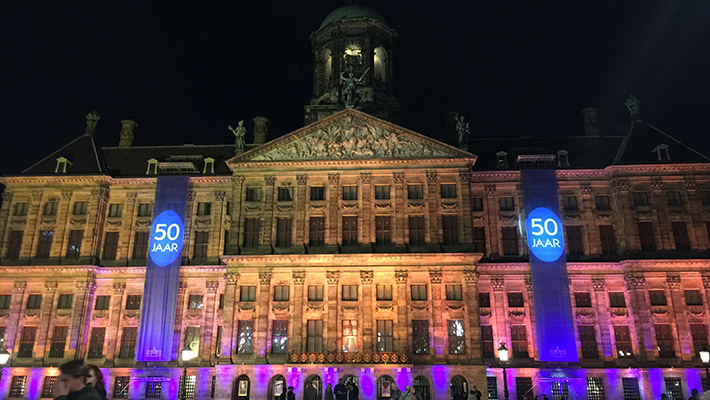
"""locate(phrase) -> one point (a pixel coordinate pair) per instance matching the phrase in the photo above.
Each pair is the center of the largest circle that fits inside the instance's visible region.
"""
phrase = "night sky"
(185, 70)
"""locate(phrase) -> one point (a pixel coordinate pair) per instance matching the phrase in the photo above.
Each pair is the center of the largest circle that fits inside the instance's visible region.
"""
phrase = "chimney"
(589, 120)
(92, 119)
(260, 130)
(128, 126)
(452, 136)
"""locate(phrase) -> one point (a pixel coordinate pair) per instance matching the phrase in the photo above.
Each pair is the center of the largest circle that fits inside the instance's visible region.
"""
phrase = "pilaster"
(331, 335)
(79, 331)
(604, 316)
(114, 330)
(465, 223)
(474, 317)
(62, 226)
(432, 201)
(369, 325)
(367, 228)
(643, 322)
(334, 194)
(209, 314)
(236, 226)
(300, 200)
(399, 207)
(402, 339)
(297, 325)
(228, 316)
(179, 329)
(493, 221)
(46, 319)
(439, 328)
(680, 327)
(262, 319)
(268, 237)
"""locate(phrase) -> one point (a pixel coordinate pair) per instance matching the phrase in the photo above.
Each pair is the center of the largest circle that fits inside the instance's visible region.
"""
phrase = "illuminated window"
(48, 387)
(383, 231)
(349, 293)
(140, 245)
(192, 338)
(204, 208)
(315, 292)
(415, 192)
(595, 388)
(350, 230)
(102, 302)
(79, 208)
(673, 388)
(65, 301)
(582, 300)
(647, 236)
(96, 343)
(693, 298)
(622, 337)
(247, 293)
(110, 246)
(328, 64)
(380, 62)
(454, 292)
(317, 193)
(382, 192)
(492, 383)
(133, 302)
(251, 232)
(279, 337)
(607, 237)
(285, 194)
(448, 190)
(187, 386)
(664, 340)
(283, 232)
(680, 236)
(218, 342)
(420, 336)
(385, 336)
(17, 386)
(202, 239)
(349, 336)
(560, 390)
(588, 340)
(506, 203)
(50, 208)
(314, 342)
(21, 209)
(419, 292)
(616, 299)
(384, 292)
(27, 341)
(15, 246)
(477, 204)
(657, 297)
(640, 199)
(44, 244)
(450, 228)
(253, 194)
(153, 389)
(128, 342)
(524, 385)
(115, 210)
(316, 231)
(416, 230)
(602, 203)
(34, 302)
(519, 339)
(74, 243)
(281, 293)
(457, 341)
(349, 192)
(59, 340)
(194, 302)
(120, 387)
(487, 341)
(246, 337)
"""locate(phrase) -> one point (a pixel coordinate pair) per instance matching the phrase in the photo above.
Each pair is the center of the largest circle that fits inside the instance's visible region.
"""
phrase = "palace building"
(355, 248)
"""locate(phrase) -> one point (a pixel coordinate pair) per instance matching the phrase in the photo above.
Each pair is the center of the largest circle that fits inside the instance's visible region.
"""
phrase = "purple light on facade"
(404, 378)
(294, 379)
(34, 386)
(440, 378)
(367, 386)
(655, 378)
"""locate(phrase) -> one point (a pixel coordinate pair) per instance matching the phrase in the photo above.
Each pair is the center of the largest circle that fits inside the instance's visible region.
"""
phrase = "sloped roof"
(643, 137)
(133, 161)
(84, 155)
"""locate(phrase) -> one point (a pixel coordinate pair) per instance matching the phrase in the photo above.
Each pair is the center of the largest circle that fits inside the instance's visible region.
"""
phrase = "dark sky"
(184, 70)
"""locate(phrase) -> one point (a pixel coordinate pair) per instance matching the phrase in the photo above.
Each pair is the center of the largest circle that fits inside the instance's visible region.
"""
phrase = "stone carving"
(634, 282)
(383, 205)
(212, 286)
(398, 177)
(463, 130)
(264, 277)
(516, 313)
(413, 204)
(238, 179)
(435, 276)
(432, 176)
(689, 181)
(77, 222)
(191, 195)
(420, 308)
(119, 287)
(401, 276)
(239, 132)
(314, 307)
(498, 284)
(366, 276)
(349, 85)
(659, 311)
(585, 187)
(219, 195)
(51, 287)
(283, 308)
(384, 307)
(302, 179)
(633, 105)
(449, 205)
(270, 180)
(66, 194)
(182, 287)
(252, 208)
(299, 277)
(248, 306)
(332, 277)
(706, 280)
(484, 312)
(333, 178)
(20, 287)
(350, 207)
(619, 312)
(7, 196)
(194, 314)
(490, 190)
(92, 119)
(231, 278)
(582, 313)
(656, 182)
(349, 308)
(619, 185)
(365, 178)
(37, 195)
(528, 284)
(470, 275)
(465, 175)
(598, 284)
(284, 207)
(673, 281)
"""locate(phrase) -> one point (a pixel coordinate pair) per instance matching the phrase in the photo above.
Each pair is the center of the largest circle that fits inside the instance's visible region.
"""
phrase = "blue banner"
(162, 277)
(548, 267)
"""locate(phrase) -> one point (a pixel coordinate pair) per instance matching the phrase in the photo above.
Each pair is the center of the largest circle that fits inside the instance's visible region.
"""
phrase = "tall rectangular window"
(602, 203)
(664, 339)
(510, 240)
(420, 336)
(674, 198)
(657, 297)
(192, 338)
(595, 388)
(416, 230)
(34, 302)
(283, 232)
(647, 237)
(65, 301)
(314, 341)
(133, 302)
(640, 199)
(515, 299)
(450, 227)
(385, 335)
(506, 203)
(569, 203)
(560, 390)
(608, 239)
(519, 339)
(673, 388)
(279, 337)
(617, 300)
(96, 343)
(448, 190)
(202, 239)
(454, 292)
(487, 347)
(477, 204)
(582, 299)
(153, 389)
(110, 246)
(145, 210)
(349, 293)
(316, 231)
(415, 192)
(315, 293)
(253, 194)
(59, 340)
(15, 246)
(524, 386)
(48, 387)
(492, 383)
(17, 386)
(74, 243)
(382, 192)
(102, 302)
(622, 337)
(5, 301)
(383, 231)
(317, 193)
(194, 302)
(349, 230)
(588, 339)
(79, 208)
(251, 232)
(574, 240)
(384, 292)
(631, 388)
(247, 293)
(479, 239)
(120, 387)
(349, 192)
(128, 342)
(484, 299)
(187, 386)
(285, 194)
(50, 208)
(115, 210)
(44, 244)
(281, 293)
(680, 236)
(21, 209)
(693, 298)
(418, 292)
(704, 197)
(27, 341)
(699, 333)
(140, 245)
(204, 208)
(349, 335)
(246, 337)
(218, 342)
(457, 341)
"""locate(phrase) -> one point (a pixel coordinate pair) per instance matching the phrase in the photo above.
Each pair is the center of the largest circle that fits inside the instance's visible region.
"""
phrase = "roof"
(133, 161)
(83, 154)
(353, 11)
(642, 140)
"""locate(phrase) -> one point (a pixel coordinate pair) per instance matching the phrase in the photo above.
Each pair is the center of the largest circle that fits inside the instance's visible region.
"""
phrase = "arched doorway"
(315, 381)
(351, 379)
(242, 387)
(421, 386)
(384, 387)
(277, 388)
(459, 388)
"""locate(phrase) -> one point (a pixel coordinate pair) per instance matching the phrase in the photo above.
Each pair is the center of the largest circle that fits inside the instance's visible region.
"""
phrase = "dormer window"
(502, 158)
(209, 166)
(62, 165)
(662, 152)
(562, 158)
(152, 167)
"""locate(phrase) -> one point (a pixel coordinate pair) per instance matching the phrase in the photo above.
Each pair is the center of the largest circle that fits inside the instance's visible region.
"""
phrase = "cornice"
(318, 261)
(307, 165)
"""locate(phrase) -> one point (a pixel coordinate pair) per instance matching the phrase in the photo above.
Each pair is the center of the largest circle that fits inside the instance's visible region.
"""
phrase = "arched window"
(277, 387)
(241, 388)
(421, 386)
(327, 64)
(384, 387)
(459, 387)
(351, 379)
(315, 381)
(380, 64)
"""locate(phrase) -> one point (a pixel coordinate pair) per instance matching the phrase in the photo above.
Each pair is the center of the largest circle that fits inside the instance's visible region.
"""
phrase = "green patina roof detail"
(352, 11)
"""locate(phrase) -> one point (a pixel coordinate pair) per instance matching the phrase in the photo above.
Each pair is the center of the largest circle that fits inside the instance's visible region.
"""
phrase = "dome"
(352, 11)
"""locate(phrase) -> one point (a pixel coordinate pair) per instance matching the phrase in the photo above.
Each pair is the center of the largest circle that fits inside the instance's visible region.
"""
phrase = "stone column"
(399, 207)
(440, 331)
(367, 230)
(643, 320)
(334, 195)
(474, 318)
(79, 330)
(466, 222)
(236, 226)
(696, 228)
(403, 338)
(297, 325)
(591, 232)
(114, 330)
(62, 227)
(660, 208)
(179, 330)
(14, 316)
(625, 227)
(498, 309)
(261, 334)
(95, 217)
(367, 312)
(331, 336)
(49, 310)
(432, 202)
(29, 242)
(208, 324)
(603, 316)
(493, 220)
(217, 226)
(301, 198)
(228, 316)
(268, 235)
(680, 327)
(127, 237)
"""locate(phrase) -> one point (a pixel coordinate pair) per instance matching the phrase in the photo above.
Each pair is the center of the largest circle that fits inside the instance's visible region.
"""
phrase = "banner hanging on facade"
(548, 267)
(162, 277)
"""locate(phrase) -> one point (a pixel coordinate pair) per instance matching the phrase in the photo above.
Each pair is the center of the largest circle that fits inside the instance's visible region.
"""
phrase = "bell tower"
(354, 53)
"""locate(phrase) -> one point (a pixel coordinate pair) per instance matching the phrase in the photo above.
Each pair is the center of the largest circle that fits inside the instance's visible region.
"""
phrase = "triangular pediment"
(351, 135)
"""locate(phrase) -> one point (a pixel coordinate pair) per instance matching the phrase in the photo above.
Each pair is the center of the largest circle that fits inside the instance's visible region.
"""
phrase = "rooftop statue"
(633, 105)
(239, 132)
(463, 130)
(349, 87)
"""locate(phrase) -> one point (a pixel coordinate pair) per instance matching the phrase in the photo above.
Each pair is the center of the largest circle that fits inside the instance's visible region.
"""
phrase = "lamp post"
(705, 358)
(503, 357)
(186, 355)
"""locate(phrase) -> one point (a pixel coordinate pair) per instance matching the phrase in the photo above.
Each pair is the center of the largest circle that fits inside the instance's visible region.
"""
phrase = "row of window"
(350, 192)
(584, 299)
(64, 302)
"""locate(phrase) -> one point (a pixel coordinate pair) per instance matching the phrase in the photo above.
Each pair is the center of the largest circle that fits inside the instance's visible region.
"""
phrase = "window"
(419, 292)
(484, 299)
(699, 333)
(595, 388)
(583, 299)
(15, 246)
(27, 341)
(349, 192)
(674, 198)
(253, 194)
(680, 236)
(415, 192)
(65, 301)
(153, 389)
(502, 159)
(416, 230)
(192, 338)
(350, 336)
(6, 299)
(59, 340)
(281, 293)
(48, 387)
(152, 167)
(204, 208)
(62, 164)
(506, 203)
(96, 343)
(515, 299)
(588, 340)
(314, 341)
(349, 230)
(560, 390)
(574, 240)
(187, 386)
(608, 239)
(34, 302)
(317, 193)
(602, 203)
(110, 246)
(448, 190)
(450, 226)
(285, 194)
(115, 210)
(492, 383)
(616, 299)
(622, 337)
(673, 388)
(316, 231)
(640, 199)
(510, 240)
(477, 204)
(283, 232)
(194, 302)
(202, 239)
(384, 292)
(657, 297)
(479, 239)
(17, 386)
(420, 336)
(145, 210)
(279, 337)
(631, 388)
(693, 298)
(647, 236)
(218, 343)
(74, 243)
(454, 292)
(487, 341)
(79, 208)
(457, 341)
(102, 302)
(664, 340)
(21, 209)
(385, 338)
(140, 245)
(44, 244)
(133, 302)
(251, 232)
(50, 208)
(704, 197)
(569, 203)
(246, 337)
(208, 167)
(523, 385)
(519, 340)
(383, 233)
(247, 293)
(315, 292)
(128, 342)
(120, 387)
(382, 192)
(349, 293)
